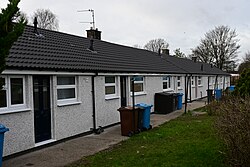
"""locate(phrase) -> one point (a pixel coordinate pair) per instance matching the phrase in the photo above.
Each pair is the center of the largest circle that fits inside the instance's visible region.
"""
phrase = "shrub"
(243, 85)
(233, 126)
(212, 108)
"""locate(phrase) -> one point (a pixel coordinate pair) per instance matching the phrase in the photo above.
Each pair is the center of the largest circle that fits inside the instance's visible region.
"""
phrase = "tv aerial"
(93, 17)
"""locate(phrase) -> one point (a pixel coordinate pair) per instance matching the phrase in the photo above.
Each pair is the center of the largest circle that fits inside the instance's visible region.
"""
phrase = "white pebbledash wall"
(74, 119)
(66, 120)
(70, 120)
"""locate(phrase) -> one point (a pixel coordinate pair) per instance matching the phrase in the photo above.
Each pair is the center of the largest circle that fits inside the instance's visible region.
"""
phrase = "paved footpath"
(72, 150)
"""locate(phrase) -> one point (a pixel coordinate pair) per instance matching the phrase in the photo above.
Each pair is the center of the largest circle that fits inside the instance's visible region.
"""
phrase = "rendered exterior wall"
(153, 84)
(70, 120)
(66, 121)
(74, 119)
(106, 109)
(21, 125)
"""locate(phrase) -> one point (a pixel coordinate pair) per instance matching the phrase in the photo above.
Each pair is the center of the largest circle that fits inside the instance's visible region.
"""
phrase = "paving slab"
(72, 150)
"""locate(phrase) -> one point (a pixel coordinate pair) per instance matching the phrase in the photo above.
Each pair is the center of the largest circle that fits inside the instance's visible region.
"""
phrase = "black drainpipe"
(190, 89)
(99, 129)
(187, 80)
(186, 94)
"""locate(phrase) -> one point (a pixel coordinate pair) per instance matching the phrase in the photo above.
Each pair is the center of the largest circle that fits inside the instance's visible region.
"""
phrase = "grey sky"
(181, 22)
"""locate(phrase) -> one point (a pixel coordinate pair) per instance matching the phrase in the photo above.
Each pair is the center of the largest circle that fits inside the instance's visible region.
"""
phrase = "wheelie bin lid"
(144, 105)
(3, 128)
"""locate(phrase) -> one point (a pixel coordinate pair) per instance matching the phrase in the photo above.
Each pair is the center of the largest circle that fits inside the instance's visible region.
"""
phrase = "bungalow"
(59, 85)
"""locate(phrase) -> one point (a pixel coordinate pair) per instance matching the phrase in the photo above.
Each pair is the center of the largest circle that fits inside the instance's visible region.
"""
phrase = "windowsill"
(168, 90)
(139, 94)
(180, 88)
(200, 85)
(193, 86)
(111, 97)
(61, 104)
(10, 111)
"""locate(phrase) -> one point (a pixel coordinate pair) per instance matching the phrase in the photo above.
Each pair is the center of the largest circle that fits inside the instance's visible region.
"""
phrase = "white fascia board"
(135, 74)
(31, 72)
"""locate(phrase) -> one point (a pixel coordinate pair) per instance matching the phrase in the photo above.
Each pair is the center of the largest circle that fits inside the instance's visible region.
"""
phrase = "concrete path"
(72, 150)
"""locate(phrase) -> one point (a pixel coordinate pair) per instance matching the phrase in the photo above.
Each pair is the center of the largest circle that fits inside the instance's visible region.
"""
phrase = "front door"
(42, 113)
(123, 91)
(196, 87)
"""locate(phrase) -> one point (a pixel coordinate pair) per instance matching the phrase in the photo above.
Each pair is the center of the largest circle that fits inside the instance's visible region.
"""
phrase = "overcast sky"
(182, 23)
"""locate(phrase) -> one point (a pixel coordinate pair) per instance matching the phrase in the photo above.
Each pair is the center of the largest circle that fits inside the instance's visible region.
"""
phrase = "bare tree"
(137, 46)
(46, 19)
(218, 47)
(155, 44)
(246, 63)
(179, 53)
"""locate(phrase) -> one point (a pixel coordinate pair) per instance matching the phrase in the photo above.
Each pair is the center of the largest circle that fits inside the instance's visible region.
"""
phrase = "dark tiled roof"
(194, 68)
(63, 52)
(56, 51)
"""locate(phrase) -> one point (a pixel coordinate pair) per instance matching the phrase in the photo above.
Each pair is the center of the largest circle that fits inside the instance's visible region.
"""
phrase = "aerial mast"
(93, 17)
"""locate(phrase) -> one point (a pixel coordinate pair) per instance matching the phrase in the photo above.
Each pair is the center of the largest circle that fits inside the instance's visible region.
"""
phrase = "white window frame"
(62, 102)
(168, 81)
(199, 80)
(114, 95)
(13, 107)
(178, 80)
(193, 81)
(138, 82)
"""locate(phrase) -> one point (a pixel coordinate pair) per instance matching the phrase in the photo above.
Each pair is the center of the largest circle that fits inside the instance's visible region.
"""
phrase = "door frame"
(126, 89)
(51, 79)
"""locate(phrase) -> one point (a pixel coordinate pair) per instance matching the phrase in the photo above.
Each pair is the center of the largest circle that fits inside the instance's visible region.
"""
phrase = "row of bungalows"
(59, 85)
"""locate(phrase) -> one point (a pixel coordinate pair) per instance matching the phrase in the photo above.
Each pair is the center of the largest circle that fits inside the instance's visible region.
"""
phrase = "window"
(66, 88)
(110, 86)
(138, 84)
(12, 92)
(178, 81)
(199, 80)
(192, 81)
(166, 80)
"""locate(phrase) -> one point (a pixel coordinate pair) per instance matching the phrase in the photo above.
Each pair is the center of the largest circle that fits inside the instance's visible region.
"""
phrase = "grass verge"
(185, 141)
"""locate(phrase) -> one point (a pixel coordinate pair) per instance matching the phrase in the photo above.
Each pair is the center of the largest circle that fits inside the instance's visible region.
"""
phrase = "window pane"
(139, 78)
(178, 78)
(178, 84)
(109, 90)
(165, 85)
(16, 85)
(110, 79)
(165, 78)
(65, 80)
(138, 87)
(66, 93)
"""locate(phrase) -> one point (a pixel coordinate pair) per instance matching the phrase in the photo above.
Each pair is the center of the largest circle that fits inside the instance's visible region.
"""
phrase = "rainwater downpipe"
(186, 88)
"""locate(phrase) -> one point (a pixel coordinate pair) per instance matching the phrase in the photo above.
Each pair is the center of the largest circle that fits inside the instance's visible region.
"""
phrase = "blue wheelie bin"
(231, 88)
(218, 94)
(179, 101)
(3, 129)
(145, 115)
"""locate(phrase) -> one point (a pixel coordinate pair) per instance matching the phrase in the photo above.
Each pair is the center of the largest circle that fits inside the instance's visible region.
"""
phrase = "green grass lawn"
(185, 141)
